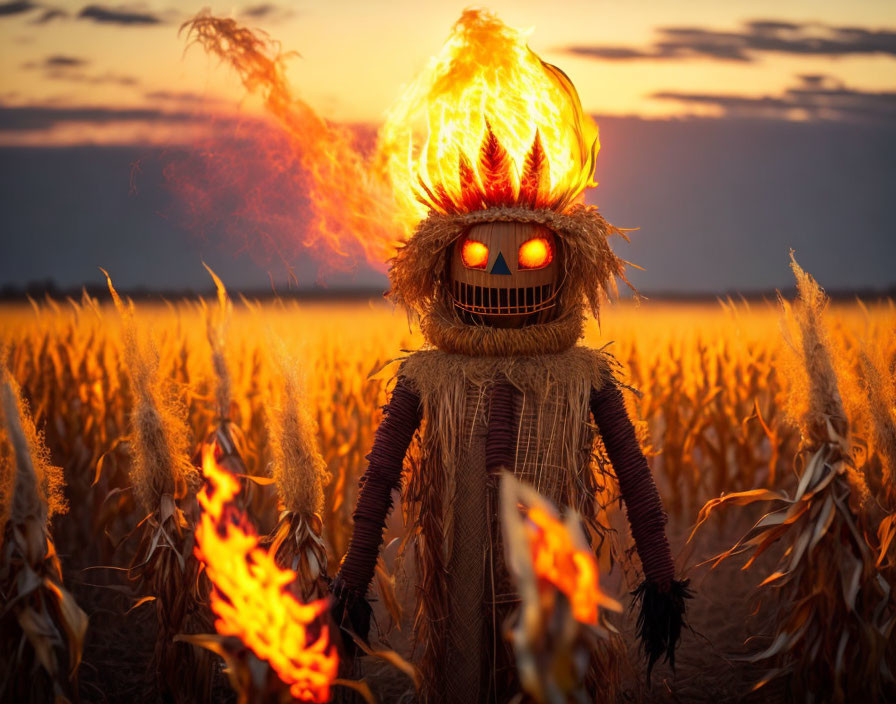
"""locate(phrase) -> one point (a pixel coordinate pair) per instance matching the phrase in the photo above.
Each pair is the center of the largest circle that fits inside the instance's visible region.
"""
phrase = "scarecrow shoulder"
(600, 365)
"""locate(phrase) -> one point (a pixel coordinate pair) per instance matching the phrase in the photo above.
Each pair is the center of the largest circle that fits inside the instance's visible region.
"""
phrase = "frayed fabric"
(661, 618)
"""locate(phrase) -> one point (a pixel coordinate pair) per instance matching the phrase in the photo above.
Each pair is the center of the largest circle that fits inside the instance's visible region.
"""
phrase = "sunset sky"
(647, 58)
(728, 129)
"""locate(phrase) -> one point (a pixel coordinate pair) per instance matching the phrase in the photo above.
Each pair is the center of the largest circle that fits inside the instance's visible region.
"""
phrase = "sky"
(798, 97)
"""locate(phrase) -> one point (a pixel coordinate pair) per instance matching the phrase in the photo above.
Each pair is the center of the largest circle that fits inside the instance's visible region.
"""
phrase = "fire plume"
(250, 596)
(486, 124)
(571, 569)
(352, 207)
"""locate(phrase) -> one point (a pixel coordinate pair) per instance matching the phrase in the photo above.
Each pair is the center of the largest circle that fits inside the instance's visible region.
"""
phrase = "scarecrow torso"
(545, 420)
(552, 430)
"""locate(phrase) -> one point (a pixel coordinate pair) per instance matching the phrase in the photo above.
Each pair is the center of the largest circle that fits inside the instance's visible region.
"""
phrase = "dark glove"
(351, 613)
(661, 619)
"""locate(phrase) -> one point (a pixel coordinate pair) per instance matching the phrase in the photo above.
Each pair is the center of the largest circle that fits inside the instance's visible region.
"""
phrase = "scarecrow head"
(505, 274)
(504, 241)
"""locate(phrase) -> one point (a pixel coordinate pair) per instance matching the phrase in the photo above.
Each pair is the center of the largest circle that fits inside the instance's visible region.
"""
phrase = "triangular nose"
(500, 266)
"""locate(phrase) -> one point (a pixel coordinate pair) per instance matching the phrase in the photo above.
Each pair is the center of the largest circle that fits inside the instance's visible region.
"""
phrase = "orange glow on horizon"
(250, 596)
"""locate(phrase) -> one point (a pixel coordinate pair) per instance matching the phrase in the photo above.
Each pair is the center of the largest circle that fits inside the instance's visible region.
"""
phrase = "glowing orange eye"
(474, 254)
(537, 253)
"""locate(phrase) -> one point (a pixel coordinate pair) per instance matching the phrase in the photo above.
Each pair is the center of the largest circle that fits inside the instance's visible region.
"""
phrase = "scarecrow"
(500, 273)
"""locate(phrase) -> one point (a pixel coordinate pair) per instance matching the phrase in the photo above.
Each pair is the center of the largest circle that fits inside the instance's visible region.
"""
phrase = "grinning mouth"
(487, 300)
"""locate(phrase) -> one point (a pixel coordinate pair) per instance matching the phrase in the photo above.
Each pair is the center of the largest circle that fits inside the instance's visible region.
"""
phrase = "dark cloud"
(30, 117)
(266, 11)
(260, 11)
(68, 68)
(8, 9)
(94, 79)
(756, 37)
(718, 204)
(182, 97)
(61, 61)
(51, 14)
(816, 98)
(121, 15)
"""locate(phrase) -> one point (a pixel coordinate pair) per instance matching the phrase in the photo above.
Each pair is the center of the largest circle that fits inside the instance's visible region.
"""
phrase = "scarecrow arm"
(401, 418)
(662, 598)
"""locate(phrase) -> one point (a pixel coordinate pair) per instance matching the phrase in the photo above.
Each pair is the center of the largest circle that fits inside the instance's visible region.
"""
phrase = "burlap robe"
(465, 593)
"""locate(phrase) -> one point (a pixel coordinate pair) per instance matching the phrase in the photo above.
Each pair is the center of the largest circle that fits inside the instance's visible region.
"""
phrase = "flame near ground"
(250, 596)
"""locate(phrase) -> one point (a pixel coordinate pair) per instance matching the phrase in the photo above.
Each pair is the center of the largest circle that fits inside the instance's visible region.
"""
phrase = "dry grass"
(42, 628)
(712, 414)
(832, 593)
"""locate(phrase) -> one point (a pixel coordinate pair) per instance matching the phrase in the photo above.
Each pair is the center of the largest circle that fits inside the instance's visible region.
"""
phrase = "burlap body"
(466, 592)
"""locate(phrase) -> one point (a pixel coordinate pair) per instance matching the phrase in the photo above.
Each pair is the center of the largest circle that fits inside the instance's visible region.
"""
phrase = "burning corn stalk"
(164, 569)
(832, 632)
(559, 626)
(42, 628)
(258, 619)
(300, 473)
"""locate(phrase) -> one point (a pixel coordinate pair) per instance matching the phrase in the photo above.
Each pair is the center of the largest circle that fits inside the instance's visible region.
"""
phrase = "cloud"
(95, 79)
(9, 9)
(754, 38)
(182, 97)
(266, 11)
(817, 97)
(25, 118)
(58, 61)
(51, 14)
(60, 67)
(121, 15)
(259, 11)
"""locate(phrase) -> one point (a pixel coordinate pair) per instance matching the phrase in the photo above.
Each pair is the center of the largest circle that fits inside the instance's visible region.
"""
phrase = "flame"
(250, 594)
(487, 123)
(557, 560)
(352, 208)
(499, 127)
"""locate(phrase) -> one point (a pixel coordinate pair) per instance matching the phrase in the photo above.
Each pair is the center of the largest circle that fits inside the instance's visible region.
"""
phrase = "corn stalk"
(164, 570)
(42, 628)
(832, 628)
(300, 473)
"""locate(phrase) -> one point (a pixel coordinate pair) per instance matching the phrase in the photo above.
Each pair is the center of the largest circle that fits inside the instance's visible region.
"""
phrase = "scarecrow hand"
(351, 613)
(661, 618)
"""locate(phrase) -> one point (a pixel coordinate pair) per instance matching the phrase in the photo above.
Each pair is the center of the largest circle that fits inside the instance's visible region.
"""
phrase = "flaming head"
(489, 124)
(488, 137)
(490, 152)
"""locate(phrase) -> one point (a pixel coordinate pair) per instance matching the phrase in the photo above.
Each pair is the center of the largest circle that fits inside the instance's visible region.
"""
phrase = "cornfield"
(711, 409)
